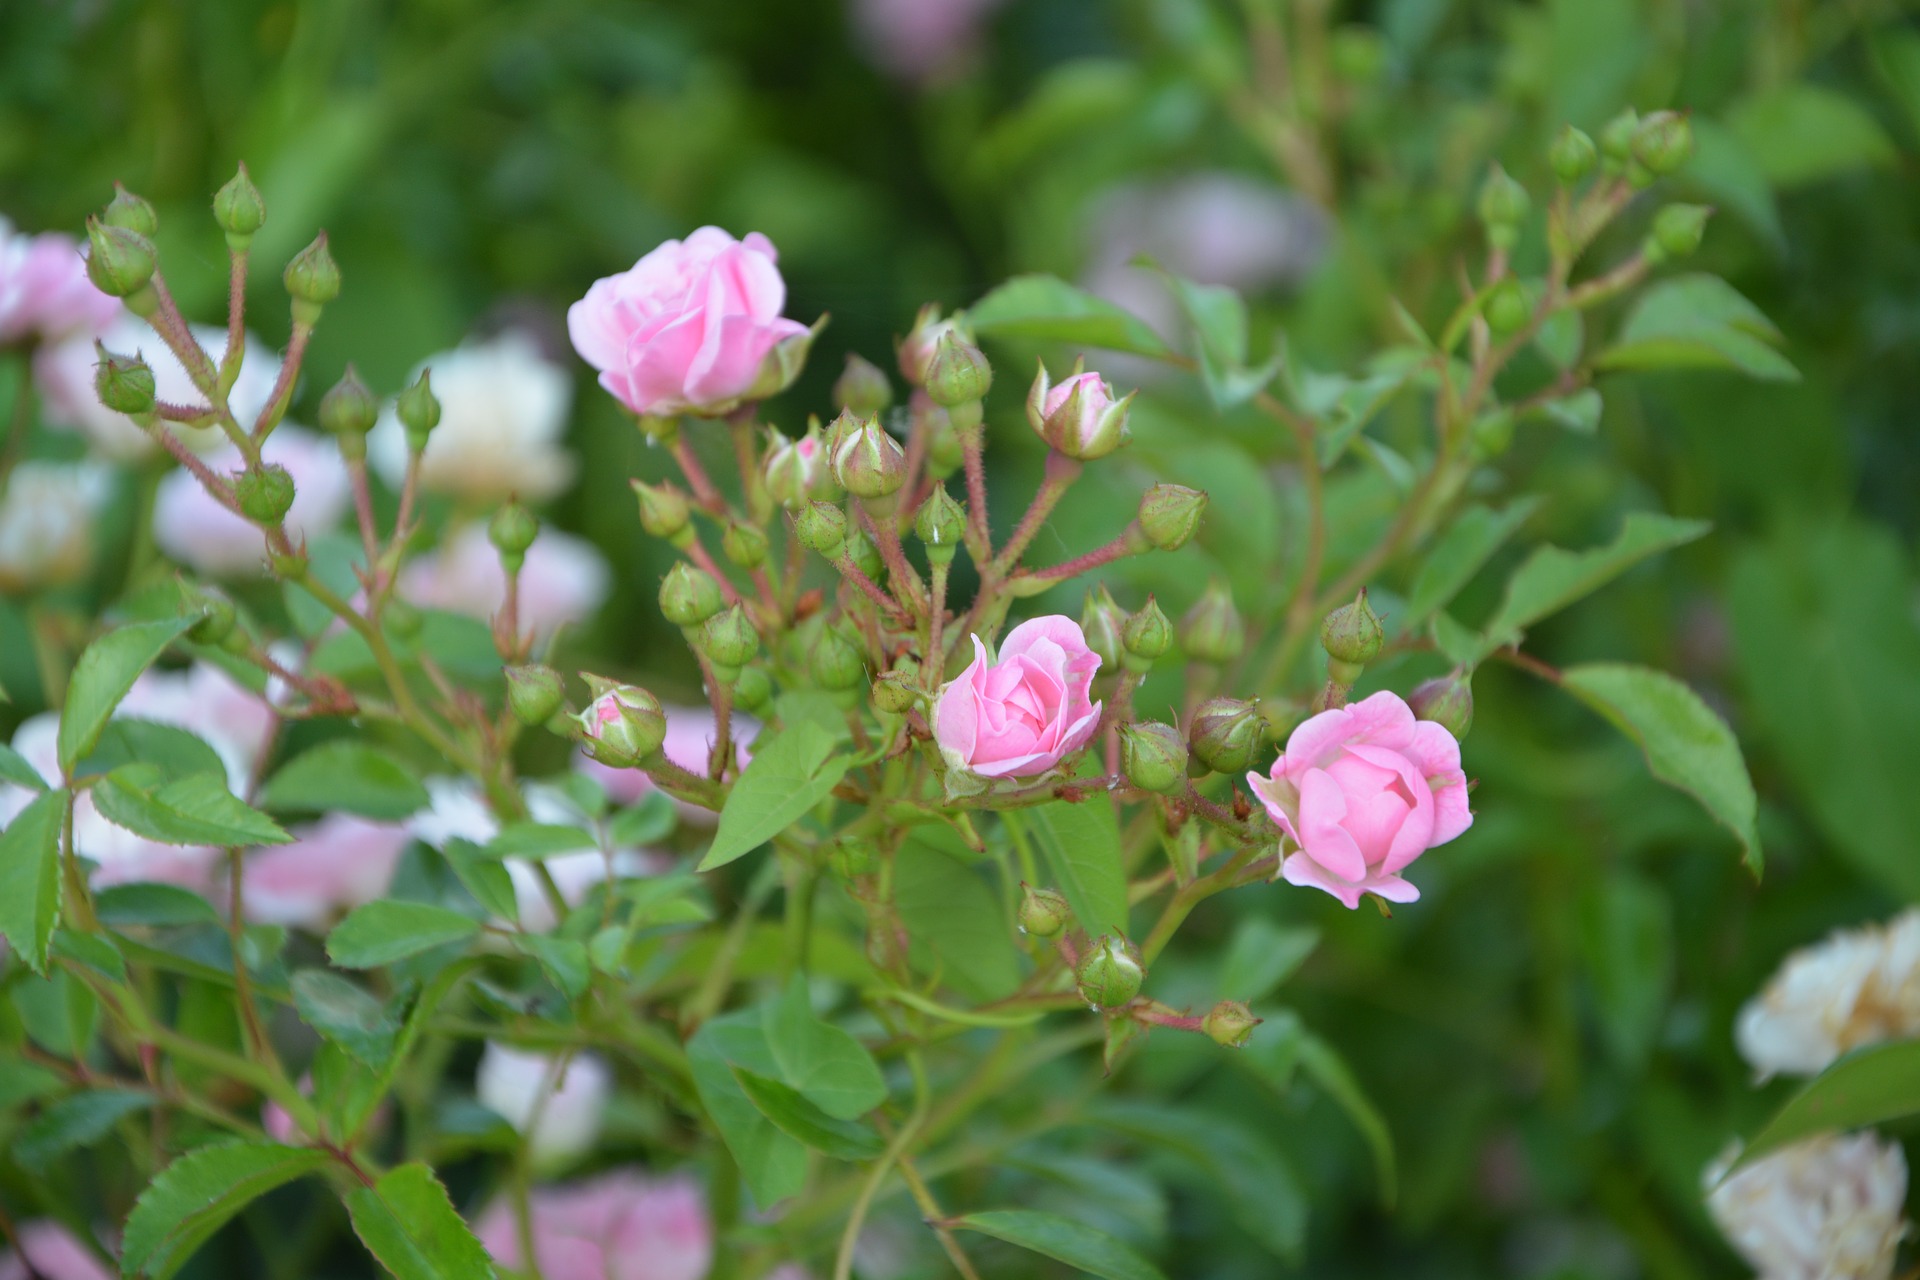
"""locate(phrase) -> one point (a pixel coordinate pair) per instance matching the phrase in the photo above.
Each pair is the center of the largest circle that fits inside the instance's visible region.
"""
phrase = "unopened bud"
(958, 371)
(1679, 228)
(835, 661)
(865, 556)
(512, 530)
(1226, 734)
(1110, 974)
(348, 409)
(1447, 701)
(1508, 309)
(239, 210)
(123, 383)
(940, 524)
(265, 494)
(862, 388)
(1352, 633)
(752, 688)
(1229, 1024)
(664, 512)
(1080, 417)
(894, 694)
(130, 211)
(1616, 141)
(418, 410)
(744, 545)
(689, 596)
(217, 620)
(623, 725)
(1043, 913)
(313, 278)
(729, 640)
(1102, 621)
(868, 462)
(946, 449)
(1145, 636)
(1572, 155)
(534, 692)
(821, 527)
(1663, 142)
(1170, 513)
(119, 261)
(1213, 631)
(1503, 207)
(1153, 756)
(797, 471)
(917, 348)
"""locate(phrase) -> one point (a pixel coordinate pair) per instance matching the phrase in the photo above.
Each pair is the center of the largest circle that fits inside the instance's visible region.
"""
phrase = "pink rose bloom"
(331, 867)
(44, 290)
(200, 533)
(689, 327)
(564, 579)
(54, 1254)
(1026, 712)
(689, 741)
(1364, 790)
(619, 1226)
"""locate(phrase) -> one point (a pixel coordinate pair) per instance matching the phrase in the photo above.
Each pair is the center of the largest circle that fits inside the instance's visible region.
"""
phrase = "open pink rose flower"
(688, 328)
(1364, 790)
(619, 1226)
(1026, 712)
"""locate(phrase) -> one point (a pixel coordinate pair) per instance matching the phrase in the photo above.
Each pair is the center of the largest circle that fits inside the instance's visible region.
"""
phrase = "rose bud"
(1212, 631)
(1153, 756)
(752, 688)
(313, 278)
(1353, 637)
(1170, 513)
(512, 530)
(869, 463)
(744, 545)
(797, 472)
(1616, 141)
(419, 411)
(1080, 417)
(123, 383)
(265, 494)
(1678, 230)
(1503, 206)
(1145, 636)
(940, 525)
(1572, 155)
(623, 725)
(130, 211)
(348, 411)
(1226, 733)
(1102, 622)
(836, 662)
(119, 261)
(894, 694)
(822, 527)
(664, 511)
(1043, 913)
(689, 596)
(958, 372)
(217, 619)
(862, 388)
(729, 640)
(917, 348)
(1663, 142)
(781, 366)
(1446, 701)
(534, 692)
(865, 556)
(239, 210)
(1229, 1024)
(1110, 974)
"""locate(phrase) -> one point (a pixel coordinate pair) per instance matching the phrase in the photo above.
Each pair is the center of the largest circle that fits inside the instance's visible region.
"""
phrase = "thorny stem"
(979, 540)
(1060, 474)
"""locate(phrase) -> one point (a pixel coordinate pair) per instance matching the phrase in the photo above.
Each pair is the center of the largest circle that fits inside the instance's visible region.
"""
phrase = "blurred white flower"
(46, 522)
(563, 579)
(1828, 1208)
(64, 372)
(196, 530)
(332, 866)
(503, 410)
(1858, 987)
(556, 1104)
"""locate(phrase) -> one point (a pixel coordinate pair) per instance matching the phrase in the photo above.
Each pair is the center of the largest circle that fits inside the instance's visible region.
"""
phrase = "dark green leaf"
(348, 777)
(1263, 955)
(76, 1121)
(795, 1116)
(174, 751)
(1324, 1065)
(1081, 843)
(773, 1164)
(1050, 309)
(1551, 579)
(1462, 551)
(563, 959)
(1063, 1240)
(959, 929)
(1626, 936)
(785, 779)
(152, 905)
(102, 677)
(346, 1014)
(30, 877)
(194, 810)
(90, 951)
(194, 1197)
(408, 1222)
(1867, 1087)
(1698, 322)
(1686, 744)
(386, 930)
(22, 1081)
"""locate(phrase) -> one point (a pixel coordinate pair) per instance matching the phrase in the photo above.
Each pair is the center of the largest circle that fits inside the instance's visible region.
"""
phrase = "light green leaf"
(798, 1118)
(1081, 843)
(1219, 319)
(785, 779)
(1698, 322)
(829, 1066)
(194, 810)
(348, 777)
(539, 840)
(485, 877)
(76, 1121)
(564, 960)
(773, 1164)
(386, 930)
(1262, 955)
(1804, 133)
(1727, 175)
(1464, 549)
(1561, 335)
(1048, 308)
(1551, 579)
(194, 1197)
(30, 877)
(346, 1014)
(1578, 411)
(102, 677)
(15, 769)
(1867, 1087)
(408, 1222)
(174, 751)
(950, 912)
(1686, 744)
(647, 822)
(1063, 1240)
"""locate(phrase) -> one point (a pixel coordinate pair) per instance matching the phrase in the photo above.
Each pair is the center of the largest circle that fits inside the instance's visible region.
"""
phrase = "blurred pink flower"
(54, 1254)
(921, 40)
(1025, 711)
(44, 290)
(689, 741)
(196, 530)
(619, 1226)
(47, 515)
(563, 580)
(688, 327)
(332, 866)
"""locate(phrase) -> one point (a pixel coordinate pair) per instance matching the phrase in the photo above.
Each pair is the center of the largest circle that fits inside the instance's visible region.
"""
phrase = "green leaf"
(77, 1121)
(1698, 322)
(174, 751)
(773, 1163)
(1263, 955)
(386, 930)
(348, 777)
(90, 951)
(485, 877)
(152, 905)
(1219, 319)
(668, 899)
(829, 1066)
(1867, 1087)
(1686, 744)
(331, 558)
(1804, 133)
(1724, 171)
(1551, 579)
(30, 877)
(798, 1118)
(102, 677)
(539, 840)
(408, 1222)
(1081, 843)
(1896, 60)
(15, 769)
(1345, 405)
(24, 1082)
(346, 1014)
(1578, 411)
(1561, 335)
(958, 928)
(564, 960)
(1463, 551)
(1626, 939)
(1063, 1240)
(194, 1197)
(785, 779)
(647, 822)
(1048, 308)
(1326, 1068)
(194, 810)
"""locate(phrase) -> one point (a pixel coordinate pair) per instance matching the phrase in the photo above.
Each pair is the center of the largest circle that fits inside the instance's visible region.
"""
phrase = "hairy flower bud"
(958, 371)
(120, 260)
(729, 640)
(835, 661)
(946, 449)
(689, 596)
(862, 388)
(239, 210)
(1079, 417)
(123, 383)
(821, 527)
(744, 545)
(217, 619)
(419, 411)
(1110, 974)
(1229, 1024)
(865, 556)
(130, 211)
(752, 688)
(664, 512)
(894, 694)
(623, 725)
(512, 530)
(1508, 308)
(1153, 756)
(797, 472)
(1679, 228)
(1226, 734)
(313, 278)
(868, 462)
(265, 495)
(534, 692)
(1572, 155)
(1170, 513)
(348, 409)
(1503, 206)
(1663, 142)
(1352, 633)
(1447, 701)
(1043, 913)
(1213, 631)
(940, 525)
(1146, 635)
(1102, 621)
(1616, 141)
(917, 348)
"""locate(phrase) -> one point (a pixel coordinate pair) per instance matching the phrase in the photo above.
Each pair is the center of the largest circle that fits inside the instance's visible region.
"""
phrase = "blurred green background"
(1547, 1034)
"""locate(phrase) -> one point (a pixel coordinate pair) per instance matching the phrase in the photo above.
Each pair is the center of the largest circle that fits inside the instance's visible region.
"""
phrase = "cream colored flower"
(1858, 987)
(1828, 1208)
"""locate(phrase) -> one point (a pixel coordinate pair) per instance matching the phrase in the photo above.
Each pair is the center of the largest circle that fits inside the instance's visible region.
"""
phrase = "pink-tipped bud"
(1079, 417)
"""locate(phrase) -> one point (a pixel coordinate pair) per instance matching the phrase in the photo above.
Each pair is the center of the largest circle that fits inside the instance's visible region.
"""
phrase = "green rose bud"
(1616, 142)
(1663, 142)
(217, 620)
(821, 527)
(940, 524)
(1102, 622)
(729, 639)
(1226, 734)
(1043, 913)
(123, 383)
(958, 372)
(1229, 1024)
(266, 495)
(752, 689)
(1503, 207)
(512, 530)
(865, 556)
(1508, 308)
(239, 210)
(120, 261)
(1572, 155)
(313, 278)
(348, 409)
(894, 694)
(1145, 636)
(690, 596)
(1170, 513)
(1153, 756)
(664, 512)
(534, 692)
(1213, 631)
(1447, 701)
(1110, 974)
(744, 545)
(862, 388)
(868, 462)
(418, 410)
(623, 725)
(131, 212)
(1679, 228)
(1352, 633)
(835, 661)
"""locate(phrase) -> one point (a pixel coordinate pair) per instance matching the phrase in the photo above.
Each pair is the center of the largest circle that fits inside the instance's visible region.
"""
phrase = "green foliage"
(1062, 1239)
(195, 1195)
(786, 778)
(407, 1221)
(30, 876)
(102, 676)
(348, 777)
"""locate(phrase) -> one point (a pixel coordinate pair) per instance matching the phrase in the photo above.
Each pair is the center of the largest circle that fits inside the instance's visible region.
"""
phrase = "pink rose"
(564, 579)
(44, 290)
(1028, 711)
(53, 1253)
(200, 533)
(689, 741)
(1364, 790)
(1080, 417)
(619, 1226)
(332, 866)
(688, 329)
